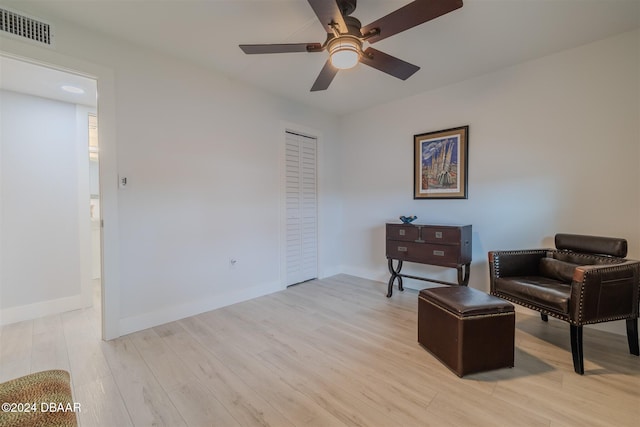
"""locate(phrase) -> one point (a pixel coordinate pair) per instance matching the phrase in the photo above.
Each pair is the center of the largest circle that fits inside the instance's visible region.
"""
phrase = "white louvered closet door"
(301, 209)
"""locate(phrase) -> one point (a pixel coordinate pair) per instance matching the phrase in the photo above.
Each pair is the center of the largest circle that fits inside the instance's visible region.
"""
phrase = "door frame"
(105, 78)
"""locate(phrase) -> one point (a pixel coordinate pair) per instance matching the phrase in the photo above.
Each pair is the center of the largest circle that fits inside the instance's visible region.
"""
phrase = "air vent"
(25, 27)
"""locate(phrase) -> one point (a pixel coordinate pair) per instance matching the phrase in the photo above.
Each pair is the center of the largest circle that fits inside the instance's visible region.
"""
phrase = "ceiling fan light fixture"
(345, 52)
(346, 35)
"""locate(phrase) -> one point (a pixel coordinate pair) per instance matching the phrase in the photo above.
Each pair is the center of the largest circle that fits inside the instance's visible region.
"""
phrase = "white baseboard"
(132, 324)
(328, 272)
(383, 276)
(378, 276)
(40, 309)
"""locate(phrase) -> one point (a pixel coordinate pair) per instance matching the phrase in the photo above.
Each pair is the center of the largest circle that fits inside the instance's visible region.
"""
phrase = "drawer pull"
(438, 234)
(438, 253)
(401, 232)
(402, 249)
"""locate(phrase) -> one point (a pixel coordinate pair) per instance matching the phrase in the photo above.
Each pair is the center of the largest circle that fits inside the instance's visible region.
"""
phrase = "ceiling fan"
(345, 36)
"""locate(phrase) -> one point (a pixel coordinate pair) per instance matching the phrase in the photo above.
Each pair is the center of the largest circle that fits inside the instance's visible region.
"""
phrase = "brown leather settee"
(585, 280)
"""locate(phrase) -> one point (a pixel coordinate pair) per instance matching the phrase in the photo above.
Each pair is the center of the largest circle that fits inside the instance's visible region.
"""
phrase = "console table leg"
(395, 274)
(463, 280)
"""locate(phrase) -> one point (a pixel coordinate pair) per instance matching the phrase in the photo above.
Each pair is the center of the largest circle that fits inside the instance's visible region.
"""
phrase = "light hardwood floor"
(332, 352)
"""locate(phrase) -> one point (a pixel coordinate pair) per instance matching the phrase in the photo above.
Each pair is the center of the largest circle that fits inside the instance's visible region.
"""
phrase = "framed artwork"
(440, 164)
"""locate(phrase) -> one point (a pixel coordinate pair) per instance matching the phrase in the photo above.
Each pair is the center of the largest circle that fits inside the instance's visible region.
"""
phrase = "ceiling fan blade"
(281, 48)
(415, 13)
(388, 64)
(328, 12)
(325, 77)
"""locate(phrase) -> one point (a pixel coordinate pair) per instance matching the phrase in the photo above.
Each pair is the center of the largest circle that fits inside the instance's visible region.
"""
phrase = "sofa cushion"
(556, 269)
(537, 291)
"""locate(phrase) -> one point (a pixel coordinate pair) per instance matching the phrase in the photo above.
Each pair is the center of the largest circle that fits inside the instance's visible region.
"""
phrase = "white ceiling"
(32, 79)
(482, 36)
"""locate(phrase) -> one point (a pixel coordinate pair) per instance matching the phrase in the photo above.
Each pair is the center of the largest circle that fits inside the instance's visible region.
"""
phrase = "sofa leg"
(544, 317)
(576, 349)
(632, 336)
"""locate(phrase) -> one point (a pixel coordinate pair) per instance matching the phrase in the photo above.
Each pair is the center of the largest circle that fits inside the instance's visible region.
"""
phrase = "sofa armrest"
(516, 263)
(602, 293)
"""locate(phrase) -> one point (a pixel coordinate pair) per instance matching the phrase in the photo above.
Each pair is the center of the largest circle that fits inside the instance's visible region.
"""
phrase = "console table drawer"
(423, 253)
(402, 232)
(446, 235)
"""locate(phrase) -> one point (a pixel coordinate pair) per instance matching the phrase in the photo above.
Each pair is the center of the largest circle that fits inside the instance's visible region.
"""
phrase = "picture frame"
(440, 164)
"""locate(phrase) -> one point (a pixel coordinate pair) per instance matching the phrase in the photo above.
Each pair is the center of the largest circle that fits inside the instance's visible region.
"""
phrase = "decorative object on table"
(440, 164)
(408, 219)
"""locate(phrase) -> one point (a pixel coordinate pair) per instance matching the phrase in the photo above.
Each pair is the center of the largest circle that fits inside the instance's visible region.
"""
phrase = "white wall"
(553, 147)
(200, 153)
(44, 192)
(201, 157)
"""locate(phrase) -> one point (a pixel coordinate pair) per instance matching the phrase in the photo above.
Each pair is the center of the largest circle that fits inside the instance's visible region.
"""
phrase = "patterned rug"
(38, 400)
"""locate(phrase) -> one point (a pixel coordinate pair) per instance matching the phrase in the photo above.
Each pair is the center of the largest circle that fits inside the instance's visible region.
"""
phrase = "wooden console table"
(441, 245)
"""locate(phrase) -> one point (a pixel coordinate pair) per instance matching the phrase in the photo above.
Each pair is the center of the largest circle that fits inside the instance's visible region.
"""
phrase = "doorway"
(46, 193)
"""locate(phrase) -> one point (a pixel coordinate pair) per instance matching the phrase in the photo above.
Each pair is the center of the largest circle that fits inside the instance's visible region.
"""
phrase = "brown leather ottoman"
(467, 330)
